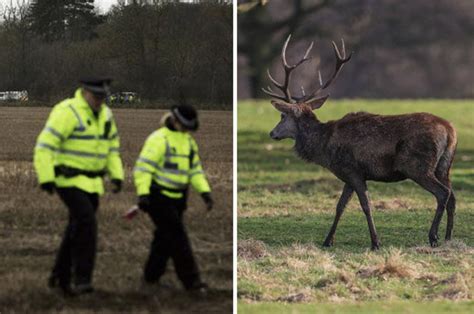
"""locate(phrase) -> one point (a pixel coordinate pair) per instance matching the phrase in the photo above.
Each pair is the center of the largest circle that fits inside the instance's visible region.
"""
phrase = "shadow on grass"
(400, 229)
(170, 301)
(305, 187)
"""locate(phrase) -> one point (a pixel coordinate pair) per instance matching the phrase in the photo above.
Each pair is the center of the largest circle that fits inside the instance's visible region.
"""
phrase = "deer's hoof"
(376, 246)
(434, 240)
(328, 243)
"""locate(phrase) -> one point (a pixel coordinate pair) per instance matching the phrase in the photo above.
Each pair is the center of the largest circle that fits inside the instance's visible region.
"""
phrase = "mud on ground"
(32, 223)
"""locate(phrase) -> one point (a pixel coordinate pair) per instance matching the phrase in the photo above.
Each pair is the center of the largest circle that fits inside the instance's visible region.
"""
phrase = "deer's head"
(296, 109)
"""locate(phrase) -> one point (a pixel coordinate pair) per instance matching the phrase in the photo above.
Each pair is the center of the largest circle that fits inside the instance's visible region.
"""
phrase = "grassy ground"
(286, 208)
(32, 223)
(354, 308)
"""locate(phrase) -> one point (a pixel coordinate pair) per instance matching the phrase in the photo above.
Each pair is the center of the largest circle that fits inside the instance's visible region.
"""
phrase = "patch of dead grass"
(302, 273)
(292, 298)
(394, 265)
(251, 249)
(391, 204)
(452, 247)
(297, 254)
(458, 287)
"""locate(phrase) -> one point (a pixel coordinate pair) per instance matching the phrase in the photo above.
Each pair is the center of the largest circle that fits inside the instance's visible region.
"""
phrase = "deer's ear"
(318, 102)
(282, 106)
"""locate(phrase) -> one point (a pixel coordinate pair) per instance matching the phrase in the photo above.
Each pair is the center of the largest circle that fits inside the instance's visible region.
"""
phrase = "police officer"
(168, 163)
(77, 147)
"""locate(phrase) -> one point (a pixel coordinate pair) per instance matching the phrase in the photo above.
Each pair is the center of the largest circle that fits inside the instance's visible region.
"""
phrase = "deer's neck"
(311, 141)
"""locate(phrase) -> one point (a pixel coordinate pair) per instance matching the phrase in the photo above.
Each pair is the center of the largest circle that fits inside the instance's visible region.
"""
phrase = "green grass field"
(287, 206)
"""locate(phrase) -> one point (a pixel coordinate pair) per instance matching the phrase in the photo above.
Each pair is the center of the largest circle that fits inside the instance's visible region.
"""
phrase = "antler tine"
(273, 80)
(302, 91)
(308, 51)
(283, 52)
(305, 56)
(289, 68)
(340, 60)
(273, 94)
(336, 51)
(343, 48)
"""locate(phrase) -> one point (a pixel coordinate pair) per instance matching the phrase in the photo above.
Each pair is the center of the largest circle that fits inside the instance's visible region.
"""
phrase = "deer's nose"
(274, 136)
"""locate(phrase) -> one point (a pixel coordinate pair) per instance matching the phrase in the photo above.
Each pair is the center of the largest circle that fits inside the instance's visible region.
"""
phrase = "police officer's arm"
(59, 126)
(196, 173)
(152, 152)
(114, 162)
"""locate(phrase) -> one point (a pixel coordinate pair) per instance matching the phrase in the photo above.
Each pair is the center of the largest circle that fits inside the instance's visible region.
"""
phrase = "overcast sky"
(103, 5)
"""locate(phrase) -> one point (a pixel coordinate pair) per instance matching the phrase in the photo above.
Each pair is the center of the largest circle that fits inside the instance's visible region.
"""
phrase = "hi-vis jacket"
(75, 138)
(171, 160)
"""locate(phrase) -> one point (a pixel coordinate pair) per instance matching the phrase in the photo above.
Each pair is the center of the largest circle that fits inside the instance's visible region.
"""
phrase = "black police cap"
(186, 115)
(96, 85)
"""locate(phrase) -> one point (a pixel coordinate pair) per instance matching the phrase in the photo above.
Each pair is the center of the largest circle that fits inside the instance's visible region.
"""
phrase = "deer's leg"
(450, 209)
(341, 204)
(363, 194)
(442, 194)
(450, 206)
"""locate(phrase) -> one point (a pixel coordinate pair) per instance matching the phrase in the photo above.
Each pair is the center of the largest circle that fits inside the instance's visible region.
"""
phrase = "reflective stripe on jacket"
(171, 159)
(74, 137)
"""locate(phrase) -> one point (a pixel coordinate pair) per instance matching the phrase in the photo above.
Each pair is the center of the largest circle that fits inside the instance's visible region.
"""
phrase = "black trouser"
(170, 241)
(76, 255)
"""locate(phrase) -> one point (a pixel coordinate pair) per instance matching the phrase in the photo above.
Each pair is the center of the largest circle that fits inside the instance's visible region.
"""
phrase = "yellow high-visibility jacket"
(75, 138)
(169, 158)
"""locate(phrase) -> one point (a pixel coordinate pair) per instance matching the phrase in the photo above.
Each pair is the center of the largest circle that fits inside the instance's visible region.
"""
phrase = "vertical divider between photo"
(234, 164)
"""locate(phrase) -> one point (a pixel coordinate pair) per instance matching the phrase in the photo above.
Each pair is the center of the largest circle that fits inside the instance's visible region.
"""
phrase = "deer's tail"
(446, 160)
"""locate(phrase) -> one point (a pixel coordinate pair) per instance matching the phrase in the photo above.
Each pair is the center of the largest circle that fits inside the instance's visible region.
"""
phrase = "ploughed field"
(286, 207)
(32, 223)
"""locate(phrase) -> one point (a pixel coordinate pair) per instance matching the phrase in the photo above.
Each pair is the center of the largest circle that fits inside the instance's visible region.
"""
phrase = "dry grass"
(449, 248)
(394, 265)
(391, 204)
(251, 249)
(31, 224)
(305, 273)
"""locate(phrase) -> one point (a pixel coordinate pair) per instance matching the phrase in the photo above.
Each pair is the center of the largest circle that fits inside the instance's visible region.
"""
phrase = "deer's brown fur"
(362, 146)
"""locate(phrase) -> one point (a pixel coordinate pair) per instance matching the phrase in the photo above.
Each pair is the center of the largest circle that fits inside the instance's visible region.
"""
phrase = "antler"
(341, 59)
(285, 87)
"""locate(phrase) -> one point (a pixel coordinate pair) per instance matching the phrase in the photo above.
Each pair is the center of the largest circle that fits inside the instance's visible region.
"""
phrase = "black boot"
(200, 288)
(83, 288)
(67, 291)
(53, 281)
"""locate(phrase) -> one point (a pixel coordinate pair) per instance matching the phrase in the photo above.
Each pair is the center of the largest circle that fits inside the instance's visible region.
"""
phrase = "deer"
(361, 146)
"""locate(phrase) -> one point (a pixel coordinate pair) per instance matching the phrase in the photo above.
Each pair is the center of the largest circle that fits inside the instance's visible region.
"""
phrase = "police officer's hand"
(48, 187)
(208, 200)
(117, 185)
(144, 202)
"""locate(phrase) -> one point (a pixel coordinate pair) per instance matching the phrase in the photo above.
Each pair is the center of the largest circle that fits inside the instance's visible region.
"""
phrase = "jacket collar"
(81, 101)
(166, 130)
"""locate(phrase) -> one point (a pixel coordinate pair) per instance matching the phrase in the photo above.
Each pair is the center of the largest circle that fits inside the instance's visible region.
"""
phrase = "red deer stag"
(362, 146)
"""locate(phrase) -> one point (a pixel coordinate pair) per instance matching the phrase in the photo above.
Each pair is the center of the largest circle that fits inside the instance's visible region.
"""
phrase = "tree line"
(416, 50)
(166, 51)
